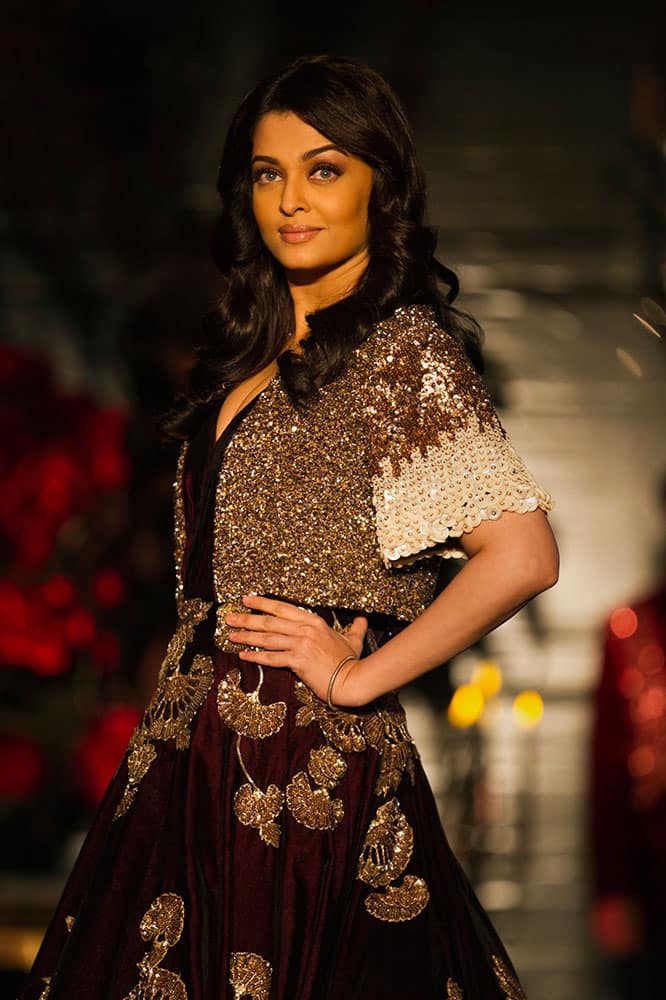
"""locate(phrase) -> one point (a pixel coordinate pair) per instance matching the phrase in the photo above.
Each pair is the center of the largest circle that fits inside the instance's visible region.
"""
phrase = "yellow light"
(527, 709)
(466, 706)
(488, 676)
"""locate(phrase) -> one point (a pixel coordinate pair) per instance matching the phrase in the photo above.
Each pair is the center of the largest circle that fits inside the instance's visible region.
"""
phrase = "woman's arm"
(511, 559)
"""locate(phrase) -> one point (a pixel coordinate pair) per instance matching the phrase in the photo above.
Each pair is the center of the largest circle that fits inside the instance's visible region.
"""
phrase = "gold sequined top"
(338, 503)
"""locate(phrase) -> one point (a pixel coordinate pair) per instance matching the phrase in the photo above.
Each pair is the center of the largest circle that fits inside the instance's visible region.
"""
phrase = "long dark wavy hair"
(355, 108)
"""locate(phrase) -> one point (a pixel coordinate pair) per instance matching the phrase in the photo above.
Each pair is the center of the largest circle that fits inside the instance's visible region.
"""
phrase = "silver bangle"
(335, 673)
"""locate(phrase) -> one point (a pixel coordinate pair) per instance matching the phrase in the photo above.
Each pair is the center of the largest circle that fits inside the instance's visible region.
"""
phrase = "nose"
(293, 196)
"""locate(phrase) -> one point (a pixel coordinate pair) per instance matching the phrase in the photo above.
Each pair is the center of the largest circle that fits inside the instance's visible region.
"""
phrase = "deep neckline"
(217, 439)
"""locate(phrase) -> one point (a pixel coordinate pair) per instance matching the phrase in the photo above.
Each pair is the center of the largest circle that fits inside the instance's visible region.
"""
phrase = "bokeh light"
(527, 709)
(466, 706)
(488, 676)
(623, 622)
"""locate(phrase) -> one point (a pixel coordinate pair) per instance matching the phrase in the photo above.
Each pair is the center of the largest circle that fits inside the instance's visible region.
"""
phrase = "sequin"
(177, 699)
(260, 810)
(386, 852)
(387, 847)
(222, 628)
(162, 925)
(453, 991)
(326, 767)
(399, 902)
(343, 729)
(250, 976)
(509, 984)
(314, 808)
(384, 729)
(326, 504)
(244, 713)
(386, 732)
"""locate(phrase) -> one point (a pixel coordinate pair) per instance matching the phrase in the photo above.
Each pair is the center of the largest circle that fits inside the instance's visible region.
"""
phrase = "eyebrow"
(306, 156)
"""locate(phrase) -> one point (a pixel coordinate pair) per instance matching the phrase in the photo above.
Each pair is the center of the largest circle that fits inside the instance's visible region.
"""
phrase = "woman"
(270, 833)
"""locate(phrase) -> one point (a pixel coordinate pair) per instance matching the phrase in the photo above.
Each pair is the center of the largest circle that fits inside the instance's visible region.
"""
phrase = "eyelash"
(260, 171)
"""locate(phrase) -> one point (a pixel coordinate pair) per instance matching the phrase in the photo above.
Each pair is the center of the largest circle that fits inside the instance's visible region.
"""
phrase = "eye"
(264, 175)
(326, 172)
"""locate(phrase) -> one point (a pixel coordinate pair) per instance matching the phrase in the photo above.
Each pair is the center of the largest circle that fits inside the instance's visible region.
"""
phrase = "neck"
(315, 290)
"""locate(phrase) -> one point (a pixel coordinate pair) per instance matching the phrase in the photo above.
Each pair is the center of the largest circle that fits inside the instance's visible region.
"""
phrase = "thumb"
(359, 626)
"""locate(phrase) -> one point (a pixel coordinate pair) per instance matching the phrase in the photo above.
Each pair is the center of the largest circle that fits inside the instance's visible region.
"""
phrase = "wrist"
(350, 688)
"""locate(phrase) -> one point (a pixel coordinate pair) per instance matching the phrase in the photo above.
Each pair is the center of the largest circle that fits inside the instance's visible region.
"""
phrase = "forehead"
(283, 134)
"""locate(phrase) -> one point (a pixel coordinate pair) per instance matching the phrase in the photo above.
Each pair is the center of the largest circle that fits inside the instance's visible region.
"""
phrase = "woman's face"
(309, 197)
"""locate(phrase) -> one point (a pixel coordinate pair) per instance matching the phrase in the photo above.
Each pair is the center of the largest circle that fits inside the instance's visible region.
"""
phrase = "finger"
(271, 606)
(266, 640)
(358, 627)
(264, 657)
(261, 623)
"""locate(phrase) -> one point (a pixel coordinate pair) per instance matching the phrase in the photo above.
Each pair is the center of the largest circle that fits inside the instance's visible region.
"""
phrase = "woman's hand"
(293, 637)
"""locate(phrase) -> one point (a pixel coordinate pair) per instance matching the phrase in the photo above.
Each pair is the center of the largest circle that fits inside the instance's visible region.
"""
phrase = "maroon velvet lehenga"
(254, 843)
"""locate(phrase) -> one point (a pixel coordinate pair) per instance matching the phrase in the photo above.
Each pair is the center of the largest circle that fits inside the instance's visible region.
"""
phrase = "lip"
(298, 234)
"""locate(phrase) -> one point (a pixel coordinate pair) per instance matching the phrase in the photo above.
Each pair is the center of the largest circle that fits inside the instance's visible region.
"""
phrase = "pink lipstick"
(298, 234)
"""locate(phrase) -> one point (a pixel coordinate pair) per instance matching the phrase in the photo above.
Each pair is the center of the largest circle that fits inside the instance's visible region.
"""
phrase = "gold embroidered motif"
(388, 846)
(191, 613)
(326, 767)
(386, 852)
(244, 713)
(178, 696)
(384, 729)
(342, 729)
(69, 922)
(313, 808)
(453, 991)
(510, 986)
(222, 629)
(260, 809)
(177, 699)
(386, 732)
(44, 995)
(250, 976)
(399, 902)
(162, 925)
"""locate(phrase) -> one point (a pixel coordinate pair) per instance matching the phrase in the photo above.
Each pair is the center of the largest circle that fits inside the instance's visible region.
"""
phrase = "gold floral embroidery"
(384, 729)
(342, 729)
(388, 846)
(250, 976)
(511, 988)
(244, 713)
(191, 613)
(178, 696)
(69, 922)
(453, 991)
(260, 809)
(222, 628)
(177, 699)
(399, 902)
(386, 732)
(162, 925)
(326, 766)
(313, 808)
(386, 852)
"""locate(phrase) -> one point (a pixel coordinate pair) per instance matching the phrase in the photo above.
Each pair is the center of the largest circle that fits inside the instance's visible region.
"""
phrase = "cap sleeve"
(441, 461)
